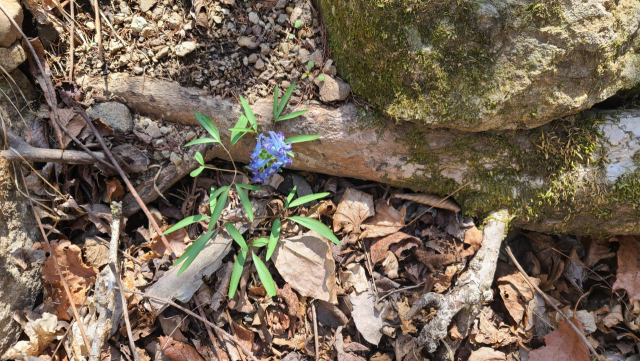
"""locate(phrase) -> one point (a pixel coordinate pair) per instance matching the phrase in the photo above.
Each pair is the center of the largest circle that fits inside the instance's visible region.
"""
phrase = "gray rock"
(12, 56)
(259, 64)
(156, 14)
(333, 89)
(153, 130)
(146, 5)
(115, 114)
(191, 135)
(162, 53)
(253, 58)
(283, 18)
(114, 46)
(185, 48)
(138, 23)
(303, 56)
(317, 58)
(249, 42)
(174, 21)
(118, 19)
(301, 12)
(285, 47)
(166, 130)
(257, 30)
(175, 159)
(265, 49)
(266, 75)
(8, 34)
(285, 84)
(137, 70)
(254, 18)
(281, 4)
(148, 31)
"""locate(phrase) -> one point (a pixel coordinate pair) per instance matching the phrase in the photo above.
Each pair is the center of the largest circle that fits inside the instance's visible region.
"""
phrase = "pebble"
(283, 18)
(175, 159)
(266, 75)
(118, 19)
(148, 31)
(191, 135)
(174, 21)
(153, 130)
(317, 58)
(138, 70)
(138, 23)
(281, 4)
(166, 130)
(90, 25)
(185, 48)
(333, 89)
(259, 64)
(166, 153)
(303, 56)
(254, 18)
(162, 53)
(265, 49)
(115, 114)
(248, 42)
(285, 84)
(253, 58)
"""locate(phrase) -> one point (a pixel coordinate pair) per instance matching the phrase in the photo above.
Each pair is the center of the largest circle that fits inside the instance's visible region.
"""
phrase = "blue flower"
(270, 154)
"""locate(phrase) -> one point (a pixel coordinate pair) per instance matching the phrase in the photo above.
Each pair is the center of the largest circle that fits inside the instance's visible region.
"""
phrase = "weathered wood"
(543, 175)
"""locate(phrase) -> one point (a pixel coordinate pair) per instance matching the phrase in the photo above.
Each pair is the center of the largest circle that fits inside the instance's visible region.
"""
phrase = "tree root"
(472, 288)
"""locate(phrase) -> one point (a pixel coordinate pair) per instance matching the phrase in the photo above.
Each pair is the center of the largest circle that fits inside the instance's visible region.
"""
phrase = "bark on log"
(575, 175)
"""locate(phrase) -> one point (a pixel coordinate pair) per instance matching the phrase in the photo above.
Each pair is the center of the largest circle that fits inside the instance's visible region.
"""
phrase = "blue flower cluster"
(271, 153)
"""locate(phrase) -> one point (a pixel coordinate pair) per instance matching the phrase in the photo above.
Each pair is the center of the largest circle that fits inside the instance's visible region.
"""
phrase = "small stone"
(162, 53)
(174, 21)
(8, 34)
(166, 130)
(148, 31)
(217, 19)
(166, 153)
(156, 14)
(12, 56)
(331, 70)
(115, 114)
(285, 84)
(138, 70)
(249, 42)
(257, 30)
(265, 49)
(317, 58)
(153, 130)
(114, 46)
(283, 18)
(303, 56)
(90, 25)
(253, 58)
(185, 48)
(285, 47)
(259, 64)
(146, 5)
(254, 18)
(281, 4)
(118, 19)
(266, 75)
(175, 159)
(245, 61)
(138, 23)
(191, 135)
(333, 89)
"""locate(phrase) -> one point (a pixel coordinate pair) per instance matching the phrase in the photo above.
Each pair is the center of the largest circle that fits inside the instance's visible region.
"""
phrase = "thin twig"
(125, 311)
(549, 301)
(124, 177)
(55, 261)
(315, 330)
(218, 329)
(401, 290)
(72, 32)
(206, 325)
(119, 250)
(437, 204)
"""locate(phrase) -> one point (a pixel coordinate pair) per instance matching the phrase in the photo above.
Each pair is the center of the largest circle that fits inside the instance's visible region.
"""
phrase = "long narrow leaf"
(212, 205)
(220, 204)
(290, 197)
(185, 222)
(193, 251)
(244, 130)
(201, 141)
(260, 242)
(275, 103)
(198, 156)
(285, 99)
(238, 265)
(301, 138)
(233, 232)
(194, 173)
(236, 135)
(317, 227)
(246, 203)
(214, 195)
(250, 187)
(265, 276)
(307, 199)
(273, 237)
(249, 113)
(208, 125)
(292, 115)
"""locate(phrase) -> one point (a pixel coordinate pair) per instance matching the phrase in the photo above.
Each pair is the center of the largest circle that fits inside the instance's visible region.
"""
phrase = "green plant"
(271, 154)
(309, 66)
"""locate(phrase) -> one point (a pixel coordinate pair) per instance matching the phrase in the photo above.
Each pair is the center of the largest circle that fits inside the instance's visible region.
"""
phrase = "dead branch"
(471, 290)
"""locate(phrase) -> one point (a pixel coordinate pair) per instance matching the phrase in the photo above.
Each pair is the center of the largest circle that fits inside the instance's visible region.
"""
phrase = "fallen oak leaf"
(178, 351)
(628, 277)
(401, 241)
(563, 344)
(353, 209)
(387, 220)
(487, 354)
(41, 332)
(115, 191)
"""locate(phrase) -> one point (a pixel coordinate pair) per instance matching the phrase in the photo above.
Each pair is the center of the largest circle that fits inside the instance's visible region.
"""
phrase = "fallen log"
(575, 175)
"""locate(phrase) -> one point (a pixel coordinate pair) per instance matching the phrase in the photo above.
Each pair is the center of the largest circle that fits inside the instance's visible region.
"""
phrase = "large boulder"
(9, 34)
(487, 64)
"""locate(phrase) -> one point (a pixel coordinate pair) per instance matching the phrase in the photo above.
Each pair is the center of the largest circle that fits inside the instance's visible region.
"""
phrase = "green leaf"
(244, 130)
(285, 100)
(194, 173)
(212, 205)
(301, 138)
(238, 265)
(214, 195)
(310, 65)
(185, 222)
(201, 141)
(321, 77)
(265, 276)
(236, 135)
(198, 156)
(249, 187)
(193, 251)
(233, 232)
(208, 125)
(291, 36)
(297, 24)
(317, 227)
(276, 94)
(249, 113)
(246, 203)
(292, 115)
(220, 203)
(273, 237)
(307, 199)
(260, 242)
(290, 197)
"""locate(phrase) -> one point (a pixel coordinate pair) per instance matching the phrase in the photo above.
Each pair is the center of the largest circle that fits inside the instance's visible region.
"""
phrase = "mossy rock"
(477, 66)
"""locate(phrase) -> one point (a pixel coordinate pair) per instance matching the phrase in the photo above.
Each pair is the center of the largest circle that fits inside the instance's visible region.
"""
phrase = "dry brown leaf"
(515, 291)
(487, 354)
(563, 344)
(25, 257)
(96, 253)
(72, 121)
(277, 319)
(354, 276)
(612, 317)
(130, 158)
(390, 265)
(115, 191)
(305, 262)
(472, 237)
(353, 209)
(489, 329)
(330, 315)
(178, 351)
(176, 239)
(78, 276)
(444, 279)
(245, 336)
(431, 200)
(596, 250)
(41, 332)
(366, 316)
(100, 215)
(407, 326)
(379, 247)
(386, 221)
(628, 277)
(343, 354)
